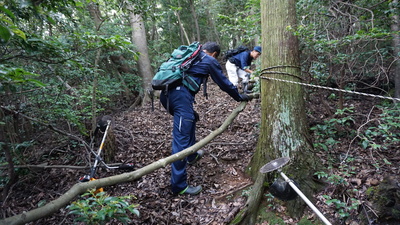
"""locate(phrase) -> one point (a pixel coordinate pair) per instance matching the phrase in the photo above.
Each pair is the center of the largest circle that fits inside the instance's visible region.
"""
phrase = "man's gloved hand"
(245, 98)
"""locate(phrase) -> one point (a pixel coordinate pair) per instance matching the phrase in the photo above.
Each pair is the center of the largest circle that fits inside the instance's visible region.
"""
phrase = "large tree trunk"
(284, 129)
(140, 40)
(396, 48)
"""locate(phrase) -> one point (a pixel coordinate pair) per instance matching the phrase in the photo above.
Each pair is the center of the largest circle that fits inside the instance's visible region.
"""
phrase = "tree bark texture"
(284, 129)
(396, 47)
(140, 40)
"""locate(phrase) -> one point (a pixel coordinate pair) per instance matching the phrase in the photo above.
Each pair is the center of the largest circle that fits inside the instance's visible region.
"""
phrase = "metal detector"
(277, 164)
(93, 169)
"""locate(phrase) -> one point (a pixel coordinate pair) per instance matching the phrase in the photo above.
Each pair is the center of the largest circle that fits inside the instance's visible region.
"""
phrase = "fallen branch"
(80, 188)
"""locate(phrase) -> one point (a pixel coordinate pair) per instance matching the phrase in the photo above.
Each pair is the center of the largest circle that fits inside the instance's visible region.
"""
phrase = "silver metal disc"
(274, 164)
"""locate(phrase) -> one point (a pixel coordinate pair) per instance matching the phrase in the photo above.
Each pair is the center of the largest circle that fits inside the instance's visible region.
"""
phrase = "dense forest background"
(64, 63)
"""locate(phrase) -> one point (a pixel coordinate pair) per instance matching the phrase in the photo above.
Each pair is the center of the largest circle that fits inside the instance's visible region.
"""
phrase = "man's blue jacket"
(208, 65)
(242, 60)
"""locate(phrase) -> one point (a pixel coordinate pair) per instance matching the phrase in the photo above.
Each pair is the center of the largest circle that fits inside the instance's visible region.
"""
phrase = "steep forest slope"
(144, 136)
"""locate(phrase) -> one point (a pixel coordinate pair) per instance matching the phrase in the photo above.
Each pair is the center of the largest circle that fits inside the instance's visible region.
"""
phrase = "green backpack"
(172, 72)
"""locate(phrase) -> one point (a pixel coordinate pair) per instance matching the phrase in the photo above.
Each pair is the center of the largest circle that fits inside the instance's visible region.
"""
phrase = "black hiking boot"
(200, 154)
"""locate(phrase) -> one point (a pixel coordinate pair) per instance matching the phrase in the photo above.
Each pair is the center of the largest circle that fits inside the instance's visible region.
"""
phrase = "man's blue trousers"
(179, 102)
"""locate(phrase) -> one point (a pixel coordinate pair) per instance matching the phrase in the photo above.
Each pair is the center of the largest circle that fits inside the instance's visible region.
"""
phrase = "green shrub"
(327, 135)
(100, 208)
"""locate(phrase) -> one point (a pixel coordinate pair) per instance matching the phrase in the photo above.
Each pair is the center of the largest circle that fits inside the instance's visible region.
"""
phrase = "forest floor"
(144, 136)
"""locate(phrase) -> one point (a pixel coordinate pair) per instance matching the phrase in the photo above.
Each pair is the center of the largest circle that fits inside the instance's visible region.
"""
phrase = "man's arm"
(247, 70)
(223, 82)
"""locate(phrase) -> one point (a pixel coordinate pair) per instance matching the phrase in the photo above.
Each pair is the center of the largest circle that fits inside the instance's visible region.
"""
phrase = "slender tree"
(140, 40)
(195, 19)
(96, 15)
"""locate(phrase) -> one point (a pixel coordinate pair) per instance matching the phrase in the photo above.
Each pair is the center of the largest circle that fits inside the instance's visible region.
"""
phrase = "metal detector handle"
(321, 216)
(93, 171)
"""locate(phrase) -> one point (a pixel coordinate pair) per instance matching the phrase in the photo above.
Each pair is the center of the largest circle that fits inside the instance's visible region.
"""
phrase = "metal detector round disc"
(274, 164)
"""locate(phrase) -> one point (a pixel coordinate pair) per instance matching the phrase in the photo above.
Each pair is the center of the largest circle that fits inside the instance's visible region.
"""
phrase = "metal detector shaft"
(93, 170)
(321, 216)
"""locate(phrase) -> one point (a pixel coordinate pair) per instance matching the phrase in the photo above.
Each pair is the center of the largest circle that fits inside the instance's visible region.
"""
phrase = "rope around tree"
(321, 87)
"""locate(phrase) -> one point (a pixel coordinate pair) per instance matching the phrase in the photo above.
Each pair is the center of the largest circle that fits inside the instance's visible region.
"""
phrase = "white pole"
(92, 172)
(305, 199)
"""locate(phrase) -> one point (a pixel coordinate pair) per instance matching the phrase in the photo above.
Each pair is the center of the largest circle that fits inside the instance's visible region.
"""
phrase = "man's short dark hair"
(211, 47)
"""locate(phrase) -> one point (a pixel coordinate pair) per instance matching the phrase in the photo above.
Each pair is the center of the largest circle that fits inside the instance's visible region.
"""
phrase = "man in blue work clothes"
(238, 66)
(179, 101)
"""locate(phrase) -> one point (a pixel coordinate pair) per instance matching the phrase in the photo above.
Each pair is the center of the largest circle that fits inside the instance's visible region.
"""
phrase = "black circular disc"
(282, 190)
